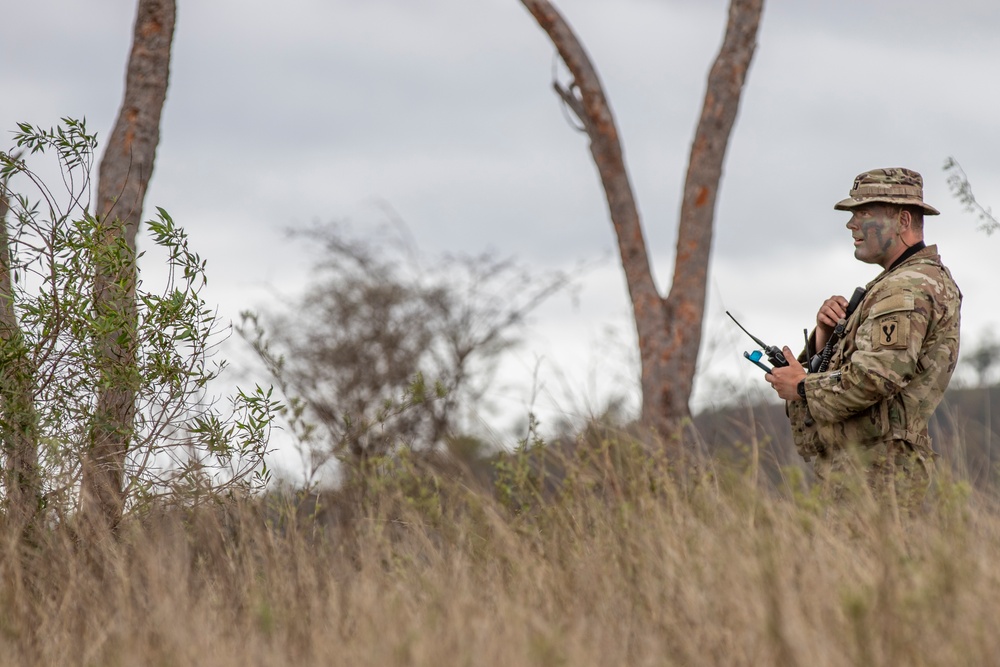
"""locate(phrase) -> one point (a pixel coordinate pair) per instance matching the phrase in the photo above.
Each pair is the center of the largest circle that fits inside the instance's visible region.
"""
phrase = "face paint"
(876, 235)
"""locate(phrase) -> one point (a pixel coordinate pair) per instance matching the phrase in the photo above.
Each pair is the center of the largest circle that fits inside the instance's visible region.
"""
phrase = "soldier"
(893, 363)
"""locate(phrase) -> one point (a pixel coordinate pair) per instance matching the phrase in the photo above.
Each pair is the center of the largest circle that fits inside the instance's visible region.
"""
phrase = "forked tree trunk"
(124, 174)
(18, 419)
(669, 329)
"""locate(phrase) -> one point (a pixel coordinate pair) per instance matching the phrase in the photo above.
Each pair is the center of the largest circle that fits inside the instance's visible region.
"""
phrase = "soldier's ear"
(905, 220)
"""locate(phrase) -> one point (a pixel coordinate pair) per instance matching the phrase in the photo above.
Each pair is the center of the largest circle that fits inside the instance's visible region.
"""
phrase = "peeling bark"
(669, 329)
(124, 174)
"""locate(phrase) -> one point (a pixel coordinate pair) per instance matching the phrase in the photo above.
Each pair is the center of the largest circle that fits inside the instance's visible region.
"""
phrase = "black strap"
(908, 253)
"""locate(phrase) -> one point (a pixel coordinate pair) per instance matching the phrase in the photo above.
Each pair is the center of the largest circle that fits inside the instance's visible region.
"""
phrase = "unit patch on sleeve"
(892, 322)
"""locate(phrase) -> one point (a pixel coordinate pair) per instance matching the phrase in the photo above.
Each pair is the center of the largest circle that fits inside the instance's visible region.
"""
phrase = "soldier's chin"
(859, 254)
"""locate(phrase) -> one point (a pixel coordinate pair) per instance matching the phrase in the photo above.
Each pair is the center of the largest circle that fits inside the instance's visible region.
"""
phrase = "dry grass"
(624, 563)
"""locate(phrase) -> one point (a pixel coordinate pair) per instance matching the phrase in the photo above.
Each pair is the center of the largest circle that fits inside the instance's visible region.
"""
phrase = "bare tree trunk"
(124, 174)
(669, 329)
(18, 419)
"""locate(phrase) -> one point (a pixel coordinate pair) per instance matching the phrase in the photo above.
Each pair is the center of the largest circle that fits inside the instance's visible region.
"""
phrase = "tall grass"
(618, 558)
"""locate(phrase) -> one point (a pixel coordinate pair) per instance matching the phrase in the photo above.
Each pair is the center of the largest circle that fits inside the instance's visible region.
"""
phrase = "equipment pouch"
(804, 430)
(864, 429)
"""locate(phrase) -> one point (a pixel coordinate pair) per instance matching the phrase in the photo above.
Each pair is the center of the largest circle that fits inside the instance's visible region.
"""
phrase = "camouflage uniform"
(886, 376)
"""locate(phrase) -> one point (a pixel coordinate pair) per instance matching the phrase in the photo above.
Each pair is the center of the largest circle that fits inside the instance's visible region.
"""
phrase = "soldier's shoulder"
(927, 274)
(916, 282)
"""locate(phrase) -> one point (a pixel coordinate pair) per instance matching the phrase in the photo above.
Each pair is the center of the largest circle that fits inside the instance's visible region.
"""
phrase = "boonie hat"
(896, 185)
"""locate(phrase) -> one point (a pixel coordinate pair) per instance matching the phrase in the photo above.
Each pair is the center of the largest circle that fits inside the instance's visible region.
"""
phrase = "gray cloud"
(285, 113)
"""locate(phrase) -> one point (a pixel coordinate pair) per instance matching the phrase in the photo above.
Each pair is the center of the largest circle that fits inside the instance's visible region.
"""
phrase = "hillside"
(965, 429)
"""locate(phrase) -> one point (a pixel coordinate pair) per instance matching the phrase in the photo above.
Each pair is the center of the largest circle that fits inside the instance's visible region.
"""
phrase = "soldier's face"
(875, 228)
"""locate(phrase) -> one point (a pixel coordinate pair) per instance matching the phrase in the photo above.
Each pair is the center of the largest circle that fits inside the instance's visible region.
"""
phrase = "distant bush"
(388, 349)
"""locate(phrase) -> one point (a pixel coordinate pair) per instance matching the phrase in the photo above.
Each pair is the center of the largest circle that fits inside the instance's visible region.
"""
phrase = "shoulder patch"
(891, 315)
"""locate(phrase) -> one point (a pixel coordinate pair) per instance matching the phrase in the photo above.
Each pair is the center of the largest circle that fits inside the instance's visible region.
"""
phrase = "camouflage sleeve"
(888, 344)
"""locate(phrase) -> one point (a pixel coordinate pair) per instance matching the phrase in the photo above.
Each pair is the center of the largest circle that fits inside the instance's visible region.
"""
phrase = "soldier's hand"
(830, 313)
(785, 379)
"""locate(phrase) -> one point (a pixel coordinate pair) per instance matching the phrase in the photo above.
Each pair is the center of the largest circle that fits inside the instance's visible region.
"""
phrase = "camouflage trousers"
(893, 472)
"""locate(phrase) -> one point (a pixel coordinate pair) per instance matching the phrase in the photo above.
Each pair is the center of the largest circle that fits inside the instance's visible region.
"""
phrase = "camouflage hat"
(893, 186)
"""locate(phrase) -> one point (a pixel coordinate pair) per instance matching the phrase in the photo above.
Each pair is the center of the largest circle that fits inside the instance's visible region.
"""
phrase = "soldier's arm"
(883, 364)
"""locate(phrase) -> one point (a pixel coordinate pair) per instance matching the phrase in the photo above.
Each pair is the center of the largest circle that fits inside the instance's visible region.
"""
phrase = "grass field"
(618, 560)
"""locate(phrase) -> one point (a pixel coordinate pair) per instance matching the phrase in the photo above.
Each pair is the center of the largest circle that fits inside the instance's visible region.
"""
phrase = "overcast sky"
(287, 113)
